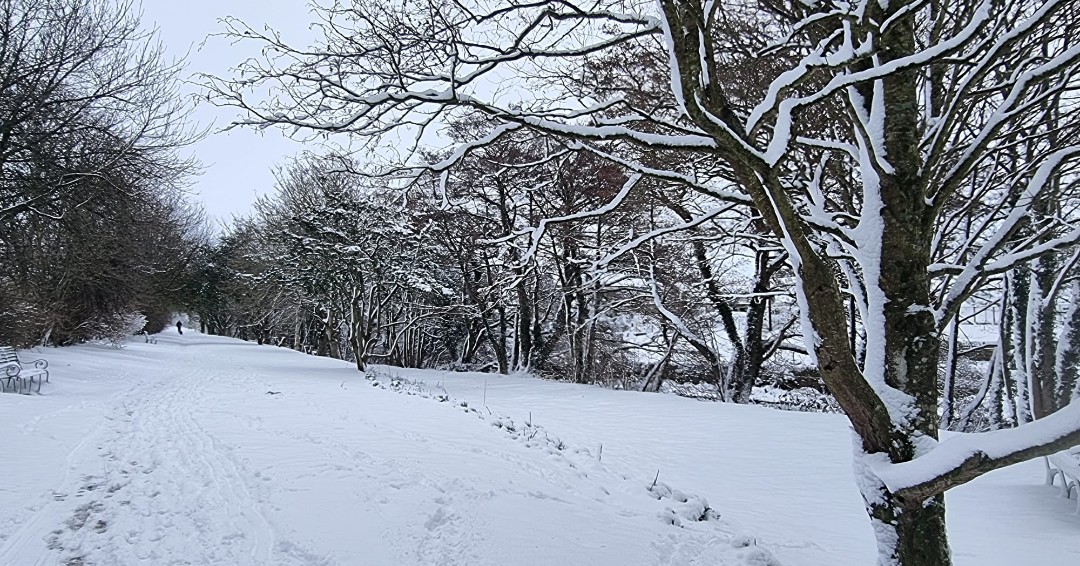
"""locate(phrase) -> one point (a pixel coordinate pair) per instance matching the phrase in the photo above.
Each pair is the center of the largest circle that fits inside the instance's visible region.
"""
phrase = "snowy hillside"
(208, 450)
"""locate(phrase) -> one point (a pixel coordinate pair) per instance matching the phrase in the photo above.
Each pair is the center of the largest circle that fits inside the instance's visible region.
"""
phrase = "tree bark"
(1067, 357)
(1041, 339)
(911, 536)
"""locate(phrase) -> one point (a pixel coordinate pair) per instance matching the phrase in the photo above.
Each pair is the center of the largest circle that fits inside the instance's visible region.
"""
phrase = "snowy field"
(207, 450)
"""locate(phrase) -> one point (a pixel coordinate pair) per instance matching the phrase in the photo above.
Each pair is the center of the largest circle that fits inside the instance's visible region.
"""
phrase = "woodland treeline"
(96, 232)
(524, 253)
(620, 265)
(512, 271)
(502, 268)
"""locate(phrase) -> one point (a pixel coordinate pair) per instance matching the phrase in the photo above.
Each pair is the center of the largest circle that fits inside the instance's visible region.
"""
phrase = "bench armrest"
(40, 364)
(10, 369)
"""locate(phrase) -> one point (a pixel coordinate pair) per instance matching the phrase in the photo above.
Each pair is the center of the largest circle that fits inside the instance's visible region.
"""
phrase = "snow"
(207, 450)
(982, 261)
(786, 108)
(673, 61)
(537, 234)
(869, 252)
(950, 453)
(636, 243)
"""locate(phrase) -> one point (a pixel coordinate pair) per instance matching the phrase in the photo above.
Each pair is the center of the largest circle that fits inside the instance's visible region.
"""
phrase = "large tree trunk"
(892, 400)
(493, 336)
(1067, 357)
(523, 344)
(523, 338)
(732, 383)
(298, 325)
(1018, 281)
(948, 401)
(920, 534)
(912, 345)
(356, 332)
(754, 355)
(1041, 339)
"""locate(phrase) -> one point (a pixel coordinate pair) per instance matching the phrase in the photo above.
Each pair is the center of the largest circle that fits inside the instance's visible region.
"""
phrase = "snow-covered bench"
(1066, 465)
(14, 374)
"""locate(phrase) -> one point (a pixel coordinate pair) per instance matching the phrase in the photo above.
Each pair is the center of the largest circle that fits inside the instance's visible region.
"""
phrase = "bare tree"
(75, 71)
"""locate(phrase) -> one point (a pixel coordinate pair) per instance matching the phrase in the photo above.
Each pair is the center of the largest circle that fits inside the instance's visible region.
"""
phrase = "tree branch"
(965, 457)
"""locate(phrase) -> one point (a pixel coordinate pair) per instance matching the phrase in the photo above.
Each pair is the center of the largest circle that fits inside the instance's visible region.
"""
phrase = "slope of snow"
(206, 450)
(203, 450)
(785, 476)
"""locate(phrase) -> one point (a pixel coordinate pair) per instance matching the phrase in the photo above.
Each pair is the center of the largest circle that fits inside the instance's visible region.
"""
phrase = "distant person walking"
(179, 327)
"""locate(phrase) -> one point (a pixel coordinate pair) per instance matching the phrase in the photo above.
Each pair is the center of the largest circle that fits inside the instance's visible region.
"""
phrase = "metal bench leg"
(1051, 473)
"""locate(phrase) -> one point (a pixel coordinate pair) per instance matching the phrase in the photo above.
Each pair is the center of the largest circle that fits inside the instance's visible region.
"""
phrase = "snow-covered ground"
(206, 450)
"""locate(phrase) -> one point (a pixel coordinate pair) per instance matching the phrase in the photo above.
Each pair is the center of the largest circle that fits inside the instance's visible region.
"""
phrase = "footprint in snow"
(439, 518)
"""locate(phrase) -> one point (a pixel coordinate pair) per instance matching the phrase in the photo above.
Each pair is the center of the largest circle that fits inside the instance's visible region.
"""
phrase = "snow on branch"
(673, 318)
(785, 109)
(384, 67)
(981, 264)
(537, 233)
(668, 175)
(652, 235)
(1013, 105)
(967, 456)
(937, 137)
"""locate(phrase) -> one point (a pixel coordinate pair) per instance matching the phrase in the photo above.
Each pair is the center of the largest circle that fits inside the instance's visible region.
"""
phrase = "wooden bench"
(1066, 465)
(15, 375)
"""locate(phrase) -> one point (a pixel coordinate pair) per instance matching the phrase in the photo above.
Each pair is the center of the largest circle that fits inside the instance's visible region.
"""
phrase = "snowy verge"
(675, 508)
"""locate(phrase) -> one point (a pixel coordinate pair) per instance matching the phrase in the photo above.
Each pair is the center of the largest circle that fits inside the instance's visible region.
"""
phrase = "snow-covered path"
(206, 450)
(222, 452)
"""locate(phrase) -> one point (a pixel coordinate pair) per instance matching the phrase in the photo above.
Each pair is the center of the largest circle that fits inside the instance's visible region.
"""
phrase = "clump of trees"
(329, 266)
(496, 268)
(903, 159)
(94, 224)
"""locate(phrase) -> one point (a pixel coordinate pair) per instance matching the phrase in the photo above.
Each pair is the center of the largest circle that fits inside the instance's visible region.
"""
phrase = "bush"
(116, 330)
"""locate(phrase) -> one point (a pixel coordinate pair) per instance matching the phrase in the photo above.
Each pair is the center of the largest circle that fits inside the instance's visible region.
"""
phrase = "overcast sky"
(238, 163)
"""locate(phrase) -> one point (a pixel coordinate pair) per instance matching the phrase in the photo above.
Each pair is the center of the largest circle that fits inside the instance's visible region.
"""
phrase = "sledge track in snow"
(166, 488)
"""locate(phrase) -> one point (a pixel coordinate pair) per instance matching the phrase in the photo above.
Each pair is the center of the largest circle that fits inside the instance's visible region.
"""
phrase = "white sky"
(237, 163)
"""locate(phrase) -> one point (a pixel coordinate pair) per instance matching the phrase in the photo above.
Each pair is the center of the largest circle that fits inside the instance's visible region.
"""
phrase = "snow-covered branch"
(965, 457)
